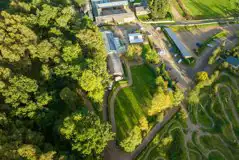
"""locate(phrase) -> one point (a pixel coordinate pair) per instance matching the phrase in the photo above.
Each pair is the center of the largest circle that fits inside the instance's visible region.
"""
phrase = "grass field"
(132, 102)
(211, 8)
(211, 130)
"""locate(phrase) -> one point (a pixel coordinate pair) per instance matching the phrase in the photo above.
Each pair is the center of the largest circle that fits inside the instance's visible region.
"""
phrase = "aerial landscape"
(119, 80)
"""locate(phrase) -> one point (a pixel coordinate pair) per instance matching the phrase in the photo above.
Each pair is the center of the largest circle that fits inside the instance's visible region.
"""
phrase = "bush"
(215, 54)
(134, 52)
(202, 76)
(133, 140)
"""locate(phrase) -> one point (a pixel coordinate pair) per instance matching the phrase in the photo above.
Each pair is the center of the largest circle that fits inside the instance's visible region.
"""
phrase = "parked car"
(160, 51)
(180, 61)
(110, 86)
(198, 44)
(210, 45)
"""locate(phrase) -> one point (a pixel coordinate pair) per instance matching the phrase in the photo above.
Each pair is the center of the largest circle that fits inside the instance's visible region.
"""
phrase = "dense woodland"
(51, 55)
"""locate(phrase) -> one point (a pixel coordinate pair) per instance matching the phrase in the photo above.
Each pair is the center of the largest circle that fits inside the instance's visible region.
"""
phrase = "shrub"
(133, 140)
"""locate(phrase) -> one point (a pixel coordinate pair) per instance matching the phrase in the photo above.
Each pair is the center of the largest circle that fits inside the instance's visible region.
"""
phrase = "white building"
(136, 38)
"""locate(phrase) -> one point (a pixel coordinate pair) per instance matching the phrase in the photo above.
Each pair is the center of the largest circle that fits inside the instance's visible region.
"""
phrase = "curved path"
(112, 151)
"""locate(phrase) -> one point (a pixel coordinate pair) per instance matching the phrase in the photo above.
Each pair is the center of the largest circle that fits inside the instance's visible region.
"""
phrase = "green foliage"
(193, 97)
(151, 56)
(47, 48)
(86, 134)
(133, 140)
(17, 39)
(71, 52)
(92, 84)
(159, 8)
(202, 76)
(215, 54)
(133, 52)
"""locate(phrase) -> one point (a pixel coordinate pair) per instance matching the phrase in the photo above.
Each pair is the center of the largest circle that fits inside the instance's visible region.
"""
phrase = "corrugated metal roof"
(178, 43)
(115, 65)
(112, 4)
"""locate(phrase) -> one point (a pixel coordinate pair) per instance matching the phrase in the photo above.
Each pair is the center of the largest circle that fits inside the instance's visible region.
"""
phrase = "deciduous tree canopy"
(48, 50)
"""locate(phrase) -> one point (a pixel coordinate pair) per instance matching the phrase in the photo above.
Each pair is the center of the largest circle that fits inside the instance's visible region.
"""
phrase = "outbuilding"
(135, 38)
(183, 50)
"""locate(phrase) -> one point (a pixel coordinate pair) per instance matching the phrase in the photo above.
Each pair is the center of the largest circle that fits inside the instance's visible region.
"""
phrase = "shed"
(136, 38)
(141, 10)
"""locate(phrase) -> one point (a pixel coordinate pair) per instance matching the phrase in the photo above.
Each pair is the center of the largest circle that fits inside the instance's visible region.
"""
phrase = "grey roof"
(112, 4)
(110, 38)
(233, 61)
(115, 65)
(178, 43)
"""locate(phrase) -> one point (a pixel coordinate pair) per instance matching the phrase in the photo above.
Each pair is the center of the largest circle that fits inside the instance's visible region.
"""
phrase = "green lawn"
(211, 8)
(132, 102)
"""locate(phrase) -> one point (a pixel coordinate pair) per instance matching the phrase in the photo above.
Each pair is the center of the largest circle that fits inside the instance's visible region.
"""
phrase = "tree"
(202, 76)
(80, 2)
(87, 134)
(47, 48)
(45, 51)
(133, 52)
(69, 97)
(225, 64)
(19, 90)
(143, 124)
(17, 39)
(159, 8)
(161, 101)
(92, 84)
(178, 96)
(28, 151)
(133, 140)
(71, 52)
(152, 56)
(47, 14)
(5, 73)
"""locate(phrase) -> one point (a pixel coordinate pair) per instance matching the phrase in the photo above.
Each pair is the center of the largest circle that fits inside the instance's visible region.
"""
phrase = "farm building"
(234, 62)
(117, 11)
(115, 66)
(136, 38)
(141, 10)
(184, 51)
(112, 43)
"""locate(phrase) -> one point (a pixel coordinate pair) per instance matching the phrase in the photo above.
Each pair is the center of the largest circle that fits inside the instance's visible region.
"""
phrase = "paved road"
(105, 106)
(193, 22)
(202, 61)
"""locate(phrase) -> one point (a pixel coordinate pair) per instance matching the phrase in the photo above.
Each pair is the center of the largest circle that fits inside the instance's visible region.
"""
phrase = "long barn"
(184, 51)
